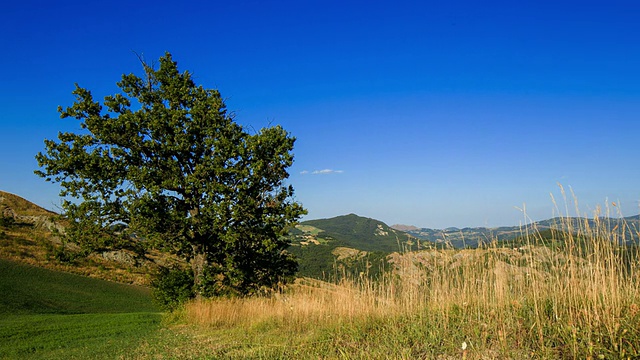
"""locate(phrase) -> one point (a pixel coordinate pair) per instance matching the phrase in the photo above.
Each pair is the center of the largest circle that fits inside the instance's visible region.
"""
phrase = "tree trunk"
(199, 259)
(198, 264)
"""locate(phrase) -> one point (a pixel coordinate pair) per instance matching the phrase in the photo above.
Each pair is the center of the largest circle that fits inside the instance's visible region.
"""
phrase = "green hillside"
(362, 233)
(346, 245)
(49, 314)
(46, 314)
(32, 290)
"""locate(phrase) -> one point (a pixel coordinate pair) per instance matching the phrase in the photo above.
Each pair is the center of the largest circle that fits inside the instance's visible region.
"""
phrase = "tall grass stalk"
(571, 295)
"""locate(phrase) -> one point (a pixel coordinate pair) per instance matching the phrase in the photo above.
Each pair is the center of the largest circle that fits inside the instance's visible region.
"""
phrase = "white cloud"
(326, 171)
(321, 172)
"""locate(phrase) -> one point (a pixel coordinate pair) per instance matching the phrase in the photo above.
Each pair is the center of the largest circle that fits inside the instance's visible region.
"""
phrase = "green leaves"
(169, 167)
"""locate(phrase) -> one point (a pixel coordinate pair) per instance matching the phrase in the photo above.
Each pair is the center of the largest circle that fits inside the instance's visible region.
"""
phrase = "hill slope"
(46, 314)
(16, 206)
(28, 234)
(32, 290)
(346, 245)
(17, 210)
(362, 233)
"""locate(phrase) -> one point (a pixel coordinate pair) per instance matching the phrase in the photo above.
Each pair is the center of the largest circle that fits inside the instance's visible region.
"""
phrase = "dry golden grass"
(575, 298)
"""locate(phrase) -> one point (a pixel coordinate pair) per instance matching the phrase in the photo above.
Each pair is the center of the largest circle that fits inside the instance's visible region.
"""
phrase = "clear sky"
(429, 113)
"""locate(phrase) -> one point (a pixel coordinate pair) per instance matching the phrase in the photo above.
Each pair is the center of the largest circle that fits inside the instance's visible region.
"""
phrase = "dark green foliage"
(6, 221)
(374, 265)
(59, 252)
(162, 165)
(548, 237)
(172, 287)
(315, 261)
(318, 261)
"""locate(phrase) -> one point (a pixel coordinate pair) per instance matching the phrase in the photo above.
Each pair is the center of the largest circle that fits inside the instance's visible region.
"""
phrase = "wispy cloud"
(321, 172)
(326, 171)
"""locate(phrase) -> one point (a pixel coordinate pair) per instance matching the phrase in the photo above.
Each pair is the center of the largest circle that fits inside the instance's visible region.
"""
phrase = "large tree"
(164, 166)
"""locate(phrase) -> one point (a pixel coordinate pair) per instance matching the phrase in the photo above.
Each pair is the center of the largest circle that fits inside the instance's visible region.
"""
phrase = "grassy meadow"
(571, 293)
(46, 314)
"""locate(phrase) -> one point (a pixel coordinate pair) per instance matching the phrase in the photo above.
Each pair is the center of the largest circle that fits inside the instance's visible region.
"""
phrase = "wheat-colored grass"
(575, 298)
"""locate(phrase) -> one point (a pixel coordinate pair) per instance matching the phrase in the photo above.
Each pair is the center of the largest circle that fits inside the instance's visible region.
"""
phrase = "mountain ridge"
(624, 227)
(627, 228)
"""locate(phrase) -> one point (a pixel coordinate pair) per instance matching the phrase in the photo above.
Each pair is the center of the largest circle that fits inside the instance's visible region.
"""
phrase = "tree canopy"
(163, 165)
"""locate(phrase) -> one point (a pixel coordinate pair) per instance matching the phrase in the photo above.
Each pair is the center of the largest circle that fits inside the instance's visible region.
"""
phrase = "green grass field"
(52, 315)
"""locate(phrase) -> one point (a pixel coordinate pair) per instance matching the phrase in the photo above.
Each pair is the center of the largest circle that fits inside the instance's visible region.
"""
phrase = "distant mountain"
(353, 244)
(624, 229)
(362, 233)
(347, 245)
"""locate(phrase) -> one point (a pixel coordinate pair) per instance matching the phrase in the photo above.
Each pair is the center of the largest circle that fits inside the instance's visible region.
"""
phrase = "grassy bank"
(52, 315)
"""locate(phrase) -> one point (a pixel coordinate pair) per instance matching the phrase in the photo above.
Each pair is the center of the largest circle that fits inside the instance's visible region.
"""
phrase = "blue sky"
(435, 114)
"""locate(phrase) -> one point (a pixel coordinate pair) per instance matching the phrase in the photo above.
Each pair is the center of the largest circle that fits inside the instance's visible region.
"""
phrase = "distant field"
(52, 315)
(309, 229)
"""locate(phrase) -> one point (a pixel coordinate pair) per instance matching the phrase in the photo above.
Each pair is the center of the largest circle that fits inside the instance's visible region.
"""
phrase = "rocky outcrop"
(24, 212)
(401, 227)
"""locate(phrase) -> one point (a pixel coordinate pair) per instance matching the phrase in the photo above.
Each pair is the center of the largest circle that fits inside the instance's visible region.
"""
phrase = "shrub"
(172, 287)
